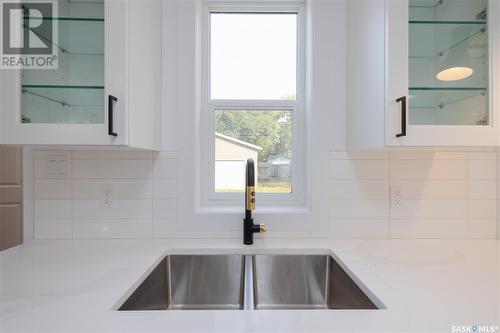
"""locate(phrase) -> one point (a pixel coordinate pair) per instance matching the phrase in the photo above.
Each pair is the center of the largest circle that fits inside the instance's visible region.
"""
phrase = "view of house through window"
(253, 96)
(264, 136)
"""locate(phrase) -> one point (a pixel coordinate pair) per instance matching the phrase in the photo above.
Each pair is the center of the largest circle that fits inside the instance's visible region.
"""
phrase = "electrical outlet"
(107, 195)
(396, 195)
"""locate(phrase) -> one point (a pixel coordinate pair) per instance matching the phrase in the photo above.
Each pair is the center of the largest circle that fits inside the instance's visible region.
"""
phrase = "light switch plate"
(58, 165)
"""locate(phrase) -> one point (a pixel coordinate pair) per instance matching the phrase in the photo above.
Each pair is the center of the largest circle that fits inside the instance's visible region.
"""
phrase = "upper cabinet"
(107, 85)
(438, 77)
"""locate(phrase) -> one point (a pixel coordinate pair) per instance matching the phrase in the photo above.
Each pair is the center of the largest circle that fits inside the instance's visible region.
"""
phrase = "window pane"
(253, 56)
(265, 136)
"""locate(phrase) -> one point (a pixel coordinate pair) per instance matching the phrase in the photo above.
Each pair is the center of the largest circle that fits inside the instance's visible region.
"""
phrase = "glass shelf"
(77, 35)
(424, 3)
(429, 39)
(437, 22)
(432, 98)
(68, 104)
(85, 19)
(447, 106)
(67, 95)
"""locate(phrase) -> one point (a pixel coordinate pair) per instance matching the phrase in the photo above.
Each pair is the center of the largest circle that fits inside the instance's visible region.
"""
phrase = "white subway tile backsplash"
(90, 229)
(428, 169)
(53, 229)
(277, 234)
(359, 209)
(112, 169)
(52, 189)
(118, 209)
(359, 169)
(45, 154)
(167, 228)
(482, 209)
(121, 188)
(165, 168)
(365, 155)
(42, 171)
(355, 229)
(427, 155)
(376, 194)
(430, 189)
(429, 209)
(482, 189)
(165, 188)
(428, 228)
(164, 208)
(359, 189)
(482, 169)
(481, 229)
(164, 228)
(165, 154)
(53, 209)
(112, 155)
(482, 155)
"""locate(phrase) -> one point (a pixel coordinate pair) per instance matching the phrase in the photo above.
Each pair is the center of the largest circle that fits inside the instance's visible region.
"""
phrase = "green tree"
(270, 129)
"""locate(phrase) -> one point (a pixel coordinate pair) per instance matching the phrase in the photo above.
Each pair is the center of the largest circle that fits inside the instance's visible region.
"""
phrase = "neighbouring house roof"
(239, 142)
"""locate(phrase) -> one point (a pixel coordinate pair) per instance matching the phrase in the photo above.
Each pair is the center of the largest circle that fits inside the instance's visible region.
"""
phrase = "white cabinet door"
(116, 55)
(441, 62)
(396, 71)
(69, 106)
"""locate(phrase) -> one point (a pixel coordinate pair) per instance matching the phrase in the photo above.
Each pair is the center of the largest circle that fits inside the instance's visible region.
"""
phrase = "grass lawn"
(273, 186)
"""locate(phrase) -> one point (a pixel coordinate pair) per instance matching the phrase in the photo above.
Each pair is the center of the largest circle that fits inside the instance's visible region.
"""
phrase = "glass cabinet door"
(74, 92)
(448, 62)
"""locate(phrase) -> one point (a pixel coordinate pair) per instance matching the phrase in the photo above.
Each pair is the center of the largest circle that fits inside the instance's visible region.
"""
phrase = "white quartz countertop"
(426, 285)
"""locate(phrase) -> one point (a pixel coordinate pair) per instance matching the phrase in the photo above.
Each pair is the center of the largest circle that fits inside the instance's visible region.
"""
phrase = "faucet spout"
(249, 228)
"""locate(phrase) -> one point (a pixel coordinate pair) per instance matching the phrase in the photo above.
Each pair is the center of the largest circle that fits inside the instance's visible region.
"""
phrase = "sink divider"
(248, 297)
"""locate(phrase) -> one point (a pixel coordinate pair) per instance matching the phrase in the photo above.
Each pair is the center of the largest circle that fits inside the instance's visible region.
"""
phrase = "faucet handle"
(262, 228)
(250, 202)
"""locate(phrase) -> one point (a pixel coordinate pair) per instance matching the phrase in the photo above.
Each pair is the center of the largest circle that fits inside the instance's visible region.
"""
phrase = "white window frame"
(265, 201)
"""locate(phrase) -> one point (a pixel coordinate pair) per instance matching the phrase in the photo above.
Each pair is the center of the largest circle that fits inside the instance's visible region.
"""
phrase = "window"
(253, 101)
(253, 56)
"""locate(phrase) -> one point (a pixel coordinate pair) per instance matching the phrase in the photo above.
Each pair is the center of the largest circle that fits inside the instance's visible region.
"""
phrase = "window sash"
(209, 196)
(210, 151)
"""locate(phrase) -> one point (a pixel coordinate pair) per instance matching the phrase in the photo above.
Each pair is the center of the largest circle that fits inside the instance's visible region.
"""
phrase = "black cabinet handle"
(111, 107)
(403, 116)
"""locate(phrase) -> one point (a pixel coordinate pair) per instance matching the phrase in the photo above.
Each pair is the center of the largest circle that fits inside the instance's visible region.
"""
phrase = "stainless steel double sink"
(249, 282)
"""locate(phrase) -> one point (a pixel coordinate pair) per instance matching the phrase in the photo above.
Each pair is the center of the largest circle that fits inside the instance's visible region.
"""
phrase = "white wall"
(442, 194)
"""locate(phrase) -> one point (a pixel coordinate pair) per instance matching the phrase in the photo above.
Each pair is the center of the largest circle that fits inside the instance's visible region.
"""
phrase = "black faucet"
(249, 228)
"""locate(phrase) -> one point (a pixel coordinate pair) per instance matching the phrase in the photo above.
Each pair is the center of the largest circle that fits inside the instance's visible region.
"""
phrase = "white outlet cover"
(106, 195)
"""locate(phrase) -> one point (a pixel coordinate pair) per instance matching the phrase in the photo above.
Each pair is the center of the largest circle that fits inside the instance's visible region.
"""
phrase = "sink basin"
(305, 282)
(192, 282)
(249, 282)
